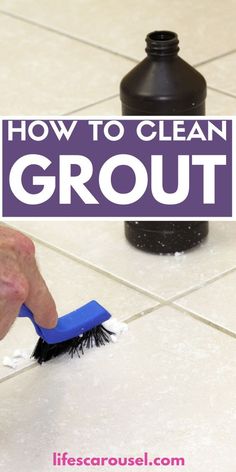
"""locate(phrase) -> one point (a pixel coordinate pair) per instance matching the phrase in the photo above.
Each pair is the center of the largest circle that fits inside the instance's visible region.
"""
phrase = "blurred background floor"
(168, 386)
(58, 57)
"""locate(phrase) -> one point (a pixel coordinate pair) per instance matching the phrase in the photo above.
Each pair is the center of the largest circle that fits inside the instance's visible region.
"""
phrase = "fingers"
(21, 282)
(40, 300)
(13, 291)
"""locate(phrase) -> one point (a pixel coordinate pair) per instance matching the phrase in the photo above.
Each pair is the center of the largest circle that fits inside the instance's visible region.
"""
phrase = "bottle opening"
(162, 43)
(162, 35)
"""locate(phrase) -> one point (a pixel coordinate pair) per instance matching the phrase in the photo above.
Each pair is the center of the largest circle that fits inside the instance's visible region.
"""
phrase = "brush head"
(73, 324)
(97, 336)
(75, 332)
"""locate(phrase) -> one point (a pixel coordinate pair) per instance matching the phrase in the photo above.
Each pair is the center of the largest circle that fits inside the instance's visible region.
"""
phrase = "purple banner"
(101, 167)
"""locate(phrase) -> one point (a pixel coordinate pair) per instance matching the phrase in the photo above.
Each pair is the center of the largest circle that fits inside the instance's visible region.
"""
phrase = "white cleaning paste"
(117, 327)
(20, 354)
(9, 362)
(17, 359)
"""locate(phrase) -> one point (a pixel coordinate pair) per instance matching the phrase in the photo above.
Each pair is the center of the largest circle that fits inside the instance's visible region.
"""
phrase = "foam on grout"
(20, 354)
(17, 359)
(116, 327)
(9, 362)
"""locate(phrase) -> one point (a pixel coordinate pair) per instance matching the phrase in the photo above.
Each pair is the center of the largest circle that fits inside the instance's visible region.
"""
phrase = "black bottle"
(164, 84)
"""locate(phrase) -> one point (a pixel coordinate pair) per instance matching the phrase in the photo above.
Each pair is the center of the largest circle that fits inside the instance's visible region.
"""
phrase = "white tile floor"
(159, 389)
(168, 386)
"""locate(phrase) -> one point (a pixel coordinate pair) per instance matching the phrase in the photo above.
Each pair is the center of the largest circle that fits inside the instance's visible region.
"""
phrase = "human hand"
(21, 282)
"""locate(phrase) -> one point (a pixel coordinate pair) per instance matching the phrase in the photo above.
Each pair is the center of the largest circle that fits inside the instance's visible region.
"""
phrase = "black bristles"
(98, 336)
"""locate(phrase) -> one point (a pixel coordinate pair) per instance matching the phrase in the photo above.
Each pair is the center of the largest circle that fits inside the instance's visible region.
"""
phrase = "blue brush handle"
(71, 325)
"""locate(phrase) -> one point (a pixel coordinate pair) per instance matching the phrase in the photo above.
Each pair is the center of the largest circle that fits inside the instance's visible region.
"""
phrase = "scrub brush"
(84, 328)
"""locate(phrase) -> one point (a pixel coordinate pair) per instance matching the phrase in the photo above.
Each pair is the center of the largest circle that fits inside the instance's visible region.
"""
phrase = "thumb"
(41, 302)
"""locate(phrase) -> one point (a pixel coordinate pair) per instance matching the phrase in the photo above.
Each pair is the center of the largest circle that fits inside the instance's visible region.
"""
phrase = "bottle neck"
(162, 43)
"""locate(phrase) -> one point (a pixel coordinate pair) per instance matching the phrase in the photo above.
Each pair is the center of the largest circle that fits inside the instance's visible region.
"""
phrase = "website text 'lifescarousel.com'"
(60, 459)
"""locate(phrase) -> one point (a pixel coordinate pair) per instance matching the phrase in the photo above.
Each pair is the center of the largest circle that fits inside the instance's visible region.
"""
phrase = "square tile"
(158, 390)
(123, 27)
(163, 276)
(215, 302)
(46, 73)
(72, 285)
(221, 74)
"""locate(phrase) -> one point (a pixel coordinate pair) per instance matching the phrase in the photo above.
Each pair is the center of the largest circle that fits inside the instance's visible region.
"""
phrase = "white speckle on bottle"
(177, 254)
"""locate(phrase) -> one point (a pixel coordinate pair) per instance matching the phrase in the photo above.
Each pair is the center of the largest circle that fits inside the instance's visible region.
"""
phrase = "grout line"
(35, 363)
(215, 58)
(161, 301)
(18, 372)
(223, 92)
(204, 284)
(66, 35)
(143, 313)
(90, 265)
(85, 107)
(103, 100)
(204, 320)
(123, 281)
(98, 269)
(185, 311)
(140, 315)
(95, 45)
(127, 283)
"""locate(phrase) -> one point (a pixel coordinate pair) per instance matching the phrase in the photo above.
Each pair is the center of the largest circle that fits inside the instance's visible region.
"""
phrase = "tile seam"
(103, 100)
(143, 313)
(186, 311)
(215, 58)
(90, 265)
(204, 320)
(98, 102)
(121, 280)
(95, 45)
(18, 372)
(202, 285)
(130, 319)
(66, 35)
(109, 274)
(138, 316)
